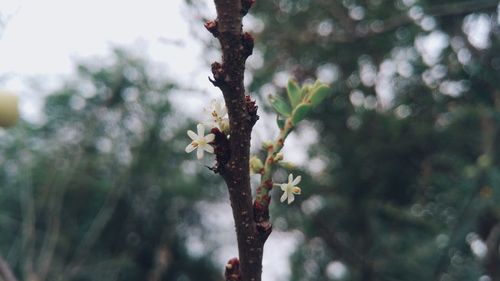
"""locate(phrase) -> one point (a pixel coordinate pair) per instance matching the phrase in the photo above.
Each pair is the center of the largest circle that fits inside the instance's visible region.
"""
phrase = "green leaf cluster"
(300, 101)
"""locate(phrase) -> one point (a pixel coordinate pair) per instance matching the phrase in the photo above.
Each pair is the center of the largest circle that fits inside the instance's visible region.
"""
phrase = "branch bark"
(233, 152)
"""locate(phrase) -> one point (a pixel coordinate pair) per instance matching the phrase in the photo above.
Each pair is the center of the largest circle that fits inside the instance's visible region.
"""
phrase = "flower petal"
(208, 148)
(210, 124)
(296, 190)
(201, 130)
(209, 138)
(290, 178)
(199, 153)
(291, 197)
(284, 186)
(223, 111)
(192, 135)
(296, 181)
(190, 148)
(283, 197)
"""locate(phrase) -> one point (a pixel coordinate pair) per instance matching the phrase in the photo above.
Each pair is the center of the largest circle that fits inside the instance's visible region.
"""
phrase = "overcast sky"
(44, 39)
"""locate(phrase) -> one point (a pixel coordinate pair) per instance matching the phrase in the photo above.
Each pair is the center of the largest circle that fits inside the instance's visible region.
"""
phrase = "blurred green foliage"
(404, 181)
(102, 189)
(402, 194)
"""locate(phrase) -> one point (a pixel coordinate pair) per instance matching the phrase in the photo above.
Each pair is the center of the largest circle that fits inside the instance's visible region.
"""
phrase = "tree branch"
(233, 153)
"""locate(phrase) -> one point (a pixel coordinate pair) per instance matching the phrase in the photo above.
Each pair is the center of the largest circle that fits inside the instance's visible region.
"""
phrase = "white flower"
(218, 113)
(290, 188)
(200, 141)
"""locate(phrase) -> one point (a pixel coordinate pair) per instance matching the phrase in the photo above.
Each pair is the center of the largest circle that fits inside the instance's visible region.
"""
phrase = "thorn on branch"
(251, 109)
(222, 152)
(246, 5)
(247, 42)
(212, 27)
(233, 270)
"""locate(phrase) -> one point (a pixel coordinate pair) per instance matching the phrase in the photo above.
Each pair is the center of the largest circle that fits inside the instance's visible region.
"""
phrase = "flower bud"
(278, 157)
(9, 113)
(287, 165)
(256, 165)
(267, 144)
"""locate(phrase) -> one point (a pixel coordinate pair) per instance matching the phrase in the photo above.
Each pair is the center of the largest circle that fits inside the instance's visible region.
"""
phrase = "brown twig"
(228, 76)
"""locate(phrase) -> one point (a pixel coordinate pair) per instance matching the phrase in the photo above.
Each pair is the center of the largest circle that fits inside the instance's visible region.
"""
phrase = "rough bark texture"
(233, 152)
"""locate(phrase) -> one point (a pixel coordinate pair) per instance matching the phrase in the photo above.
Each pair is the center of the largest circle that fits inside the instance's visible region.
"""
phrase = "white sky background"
(43, 40)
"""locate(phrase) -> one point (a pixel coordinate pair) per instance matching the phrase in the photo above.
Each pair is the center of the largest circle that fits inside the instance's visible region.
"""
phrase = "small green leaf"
(318, 94)
(306, 88)
(300, 112)
(294, 93)
(316, 84)
(280, 122)
(256, 164)
(280, 105)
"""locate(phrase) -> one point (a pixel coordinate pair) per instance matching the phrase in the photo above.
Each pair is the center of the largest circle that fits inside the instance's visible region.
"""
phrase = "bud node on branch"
(264, 228)
(251, 108)
(218, 72)
(246, 5)
(233, 270)
(261, 212)
(247, 41)
(212, 27)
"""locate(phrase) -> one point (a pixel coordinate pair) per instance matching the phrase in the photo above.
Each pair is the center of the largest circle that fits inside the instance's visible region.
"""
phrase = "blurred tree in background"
(404, 179)
(102, 189)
